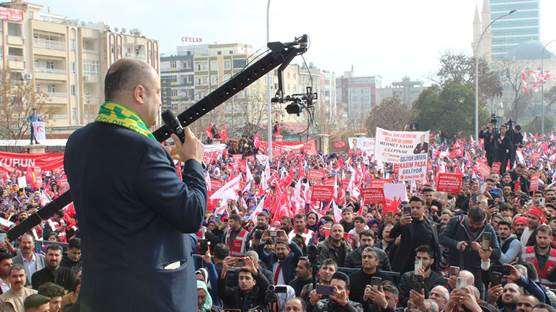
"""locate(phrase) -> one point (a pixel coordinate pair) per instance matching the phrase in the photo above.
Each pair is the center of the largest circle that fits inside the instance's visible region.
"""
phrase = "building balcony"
(90, 77)
(49, 47)
(15, 40)
(57, 98)
(90, 51)
(50, 73)
(91, 100)
(49, 44)
(16, 62)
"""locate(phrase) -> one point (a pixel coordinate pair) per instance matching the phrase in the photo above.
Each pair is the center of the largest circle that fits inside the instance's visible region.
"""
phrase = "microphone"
(173, 124)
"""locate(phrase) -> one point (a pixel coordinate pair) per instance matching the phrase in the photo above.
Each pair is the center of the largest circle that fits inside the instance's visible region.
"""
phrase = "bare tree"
(511, 79)
(18, 98)
(550, 96)
(391, 114)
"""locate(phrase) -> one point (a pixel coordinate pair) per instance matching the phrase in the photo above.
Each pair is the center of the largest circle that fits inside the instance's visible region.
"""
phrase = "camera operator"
(487, 134)
(251, 290)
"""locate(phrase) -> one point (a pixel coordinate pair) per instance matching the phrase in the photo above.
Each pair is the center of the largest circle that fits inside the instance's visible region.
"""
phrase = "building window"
(213, 65)
(202, 66)
(91, 68)
(239, 63)
(14, 29)
(51, 88)
(227, 64)
(213, 79)
(73, 90)
(73, 67)
(72, 44)
(174, 92)
(219, 53)
(172, 64)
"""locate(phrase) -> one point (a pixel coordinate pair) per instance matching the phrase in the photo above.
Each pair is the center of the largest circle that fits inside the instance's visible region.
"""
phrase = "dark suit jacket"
(402, 261)
(288, 264)
(133, 213)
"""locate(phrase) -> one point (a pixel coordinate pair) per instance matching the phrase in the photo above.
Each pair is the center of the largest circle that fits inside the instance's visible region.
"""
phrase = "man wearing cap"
(72, 258)
(535, 216)
(519, 225)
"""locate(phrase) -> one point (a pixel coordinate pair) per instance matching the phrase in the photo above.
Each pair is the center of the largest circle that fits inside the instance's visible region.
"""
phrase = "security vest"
(237, 246)
(530, 256)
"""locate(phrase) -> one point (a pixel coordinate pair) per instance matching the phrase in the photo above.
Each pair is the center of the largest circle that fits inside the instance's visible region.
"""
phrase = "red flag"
(256, 141)
(208, 132)
(224, 134)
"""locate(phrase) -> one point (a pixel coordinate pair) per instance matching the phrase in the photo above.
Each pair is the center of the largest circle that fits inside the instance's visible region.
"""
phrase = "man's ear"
(139, 93)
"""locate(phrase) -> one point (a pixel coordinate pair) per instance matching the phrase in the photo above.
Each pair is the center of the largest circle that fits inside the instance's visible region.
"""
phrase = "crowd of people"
(270, 247)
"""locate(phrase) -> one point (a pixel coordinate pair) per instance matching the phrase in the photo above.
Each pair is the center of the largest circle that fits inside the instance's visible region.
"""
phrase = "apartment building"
(66, 59)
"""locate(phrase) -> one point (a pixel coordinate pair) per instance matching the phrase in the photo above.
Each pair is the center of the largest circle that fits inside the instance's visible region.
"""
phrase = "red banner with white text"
(46, 161)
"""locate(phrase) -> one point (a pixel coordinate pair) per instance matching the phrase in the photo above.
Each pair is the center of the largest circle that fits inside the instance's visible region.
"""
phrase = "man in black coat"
(134, 212)
(366, 239)
(463, 237)
(364, 277)
(503, 146)
(303, 275)
(487, 134)
(53, 272)
(424, 277)
(250, 290)
(415, 230)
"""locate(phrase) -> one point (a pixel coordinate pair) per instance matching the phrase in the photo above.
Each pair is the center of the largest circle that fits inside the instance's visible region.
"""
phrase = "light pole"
(475, 52)
(269, 86)
(542, 84)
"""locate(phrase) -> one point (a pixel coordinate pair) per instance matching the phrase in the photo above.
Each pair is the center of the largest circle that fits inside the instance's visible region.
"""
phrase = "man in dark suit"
(132, 209)
(283, 261)
(488, 136)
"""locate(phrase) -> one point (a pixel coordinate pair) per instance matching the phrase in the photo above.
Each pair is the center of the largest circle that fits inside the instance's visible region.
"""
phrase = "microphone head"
(170, 120)
(173, 124)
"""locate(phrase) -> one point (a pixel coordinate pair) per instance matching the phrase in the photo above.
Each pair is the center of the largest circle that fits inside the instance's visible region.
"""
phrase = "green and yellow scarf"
(118, 114)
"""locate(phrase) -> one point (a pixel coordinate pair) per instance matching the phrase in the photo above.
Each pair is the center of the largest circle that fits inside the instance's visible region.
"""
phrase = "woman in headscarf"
(205, 301)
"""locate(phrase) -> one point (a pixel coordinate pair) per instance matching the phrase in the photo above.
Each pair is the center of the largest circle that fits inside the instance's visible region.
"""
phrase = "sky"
(389, 38)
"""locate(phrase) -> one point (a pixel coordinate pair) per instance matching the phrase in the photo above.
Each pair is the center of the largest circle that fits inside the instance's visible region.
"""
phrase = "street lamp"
(269, 86)
(475, 52)
(542, 84)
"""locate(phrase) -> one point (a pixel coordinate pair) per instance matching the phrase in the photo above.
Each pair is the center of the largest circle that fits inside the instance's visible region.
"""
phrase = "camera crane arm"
(281, 54)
